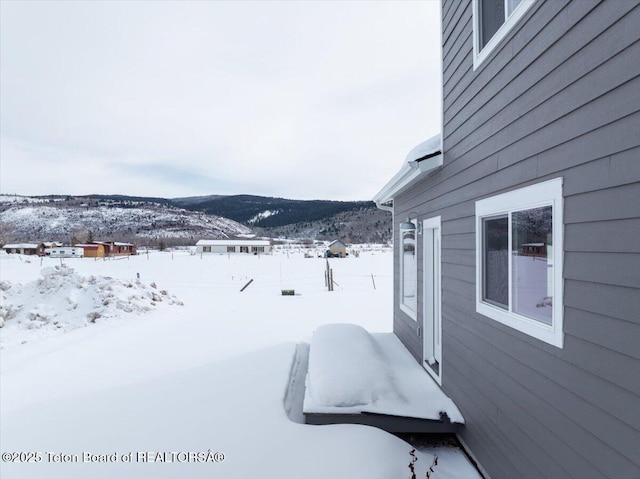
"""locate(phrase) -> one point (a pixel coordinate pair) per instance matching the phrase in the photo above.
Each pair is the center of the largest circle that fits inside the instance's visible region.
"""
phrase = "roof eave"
(410, 173)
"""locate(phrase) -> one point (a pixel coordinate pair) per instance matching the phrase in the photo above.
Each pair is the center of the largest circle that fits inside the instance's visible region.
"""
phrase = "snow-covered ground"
(180, 367)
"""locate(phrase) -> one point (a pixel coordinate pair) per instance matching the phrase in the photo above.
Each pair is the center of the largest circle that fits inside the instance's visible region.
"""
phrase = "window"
(244, 249)
(206, 249)
(519, 260)
(257, 249)
(231, 249)
(409, 270)
(492, 20)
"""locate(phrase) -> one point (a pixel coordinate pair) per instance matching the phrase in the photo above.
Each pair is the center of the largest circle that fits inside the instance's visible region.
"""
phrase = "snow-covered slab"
(354, 372)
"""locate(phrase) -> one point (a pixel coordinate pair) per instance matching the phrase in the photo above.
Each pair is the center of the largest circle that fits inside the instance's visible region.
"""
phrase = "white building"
(234, 246)
(66, 252)
(24, 248)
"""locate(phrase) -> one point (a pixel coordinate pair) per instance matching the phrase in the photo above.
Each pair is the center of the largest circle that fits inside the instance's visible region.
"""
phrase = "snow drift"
(63, 300)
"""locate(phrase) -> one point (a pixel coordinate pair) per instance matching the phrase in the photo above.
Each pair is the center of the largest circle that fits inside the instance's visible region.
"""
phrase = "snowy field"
(159, 366)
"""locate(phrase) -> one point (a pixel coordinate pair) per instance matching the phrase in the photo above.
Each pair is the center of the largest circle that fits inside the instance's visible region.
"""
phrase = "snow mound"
(347, 368)
(63, 300)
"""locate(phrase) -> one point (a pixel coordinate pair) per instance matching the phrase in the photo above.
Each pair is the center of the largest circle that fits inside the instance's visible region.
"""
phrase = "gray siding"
(559, 97)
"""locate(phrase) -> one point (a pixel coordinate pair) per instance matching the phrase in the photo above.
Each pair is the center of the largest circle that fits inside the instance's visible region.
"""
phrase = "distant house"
(92, 250)
(52, 244)
(337, 249)
(234, 246)
(66, 252)
(115, 248)
(24, 248)
(517, 250)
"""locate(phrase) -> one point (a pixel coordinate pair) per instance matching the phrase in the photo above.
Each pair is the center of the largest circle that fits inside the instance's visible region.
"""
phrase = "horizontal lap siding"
(547, 412)
(559, 97)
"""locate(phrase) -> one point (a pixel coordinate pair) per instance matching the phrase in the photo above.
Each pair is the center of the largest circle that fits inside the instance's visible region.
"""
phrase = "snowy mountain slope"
(17, 199)
(262, 215)
(254, 209)
(182, 220)
(366, 225)
(48, 221)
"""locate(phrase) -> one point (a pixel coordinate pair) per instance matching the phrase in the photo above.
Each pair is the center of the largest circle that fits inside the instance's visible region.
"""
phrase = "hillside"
(75, 218)
(185, 220)
(270, 212)
(363, 225)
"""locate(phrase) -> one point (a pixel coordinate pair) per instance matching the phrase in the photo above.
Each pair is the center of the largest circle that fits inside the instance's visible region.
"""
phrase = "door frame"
(432, 298)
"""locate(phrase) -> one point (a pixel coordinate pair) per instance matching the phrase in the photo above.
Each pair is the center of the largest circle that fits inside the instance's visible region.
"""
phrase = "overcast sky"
(304, 100)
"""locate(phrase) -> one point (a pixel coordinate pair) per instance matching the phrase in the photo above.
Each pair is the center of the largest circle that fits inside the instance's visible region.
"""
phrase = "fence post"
(328, 276)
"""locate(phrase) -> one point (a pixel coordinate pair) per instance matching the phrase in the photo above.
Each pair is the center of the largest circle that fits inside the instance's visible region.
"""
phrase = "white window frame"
(413, 314)
(547, 193)
(480, 54)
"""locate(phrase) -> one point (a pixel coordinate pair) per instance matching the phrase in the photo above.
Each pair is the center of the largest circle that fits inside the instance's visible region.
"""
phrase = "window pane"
(496, 261)
(511, 6)
(492, 16)
(532, 263)
(409, 270)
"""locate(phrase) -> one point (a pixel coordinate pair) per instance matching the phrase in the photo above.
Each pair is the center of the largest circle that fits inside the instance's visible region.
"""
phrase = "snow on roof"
(424, 158)
(114, 243)
(426, 148)
(336, 243)
(233, 242)
(22, 245)
(351, 372)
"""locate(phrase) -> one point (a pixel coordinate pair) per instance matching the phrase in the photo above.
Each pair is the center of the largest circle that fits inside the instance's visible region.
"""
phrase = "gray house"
(517, 236)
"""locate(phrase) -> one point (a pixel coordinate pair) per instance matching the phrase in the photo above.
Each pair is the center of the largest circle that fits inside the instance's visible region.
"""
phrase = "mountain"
(190, 200)
(184, 220)
(364, 225)
(272, 212)
(75, 219)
